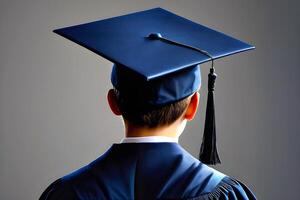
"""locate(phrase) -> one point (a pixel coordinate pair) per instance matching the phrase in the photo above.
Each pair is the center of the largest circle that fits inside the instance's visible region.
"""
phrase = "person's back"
(149, 163)
(147, 171)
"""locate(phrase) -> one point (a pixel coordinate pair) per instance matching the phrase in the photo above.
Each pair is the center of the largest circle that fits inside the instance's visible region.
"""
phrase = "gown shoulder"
(58, 190)
(228, 189)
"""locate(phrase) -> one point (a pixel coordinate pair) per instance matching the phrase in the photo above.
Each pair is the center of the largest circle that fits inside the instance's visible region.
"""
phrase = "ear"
(192, 107)
(112, 101)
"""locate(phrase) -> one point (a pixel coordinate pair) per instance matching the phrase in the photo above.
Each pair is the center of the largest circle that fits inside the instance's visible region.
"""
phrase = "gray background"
(53, 112)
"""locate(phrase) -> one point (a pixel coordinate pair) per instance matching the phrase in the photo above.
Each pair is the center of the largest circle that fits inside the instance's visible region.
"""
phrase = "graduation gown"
(143, 171)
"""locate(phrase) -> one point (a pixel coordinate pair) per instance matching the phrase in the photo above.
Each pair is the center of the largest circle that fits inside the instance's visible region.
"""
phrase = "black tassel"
(208, 152)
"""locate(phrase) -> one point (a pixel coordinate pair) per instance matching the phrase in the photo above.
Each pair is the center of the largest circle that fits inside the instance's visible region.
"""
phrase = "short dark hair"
(141, 113)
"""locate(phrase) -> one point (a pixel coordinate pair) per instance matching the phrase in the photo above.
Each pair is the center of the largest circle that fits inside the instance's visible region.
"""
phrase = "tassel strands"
(208, 151)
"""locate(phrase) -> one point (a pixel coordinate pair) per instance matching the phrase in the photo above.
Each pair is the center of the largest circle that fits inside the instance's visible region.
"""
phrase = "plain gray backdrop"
(54, 116)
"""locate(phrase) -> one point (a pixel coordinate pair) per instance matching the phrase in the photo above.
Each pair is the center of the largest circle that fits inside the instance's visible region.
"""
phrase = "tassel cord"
(208, 150)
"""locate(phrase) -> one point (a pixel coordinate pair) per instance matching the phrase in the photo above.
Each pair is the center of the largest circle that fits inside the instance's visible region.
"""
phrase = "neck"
(173, 130)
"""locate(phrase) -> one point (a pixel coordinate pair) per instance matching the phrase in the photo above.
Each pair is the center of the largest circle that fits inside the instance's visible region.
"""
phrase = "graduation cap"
(160, 49)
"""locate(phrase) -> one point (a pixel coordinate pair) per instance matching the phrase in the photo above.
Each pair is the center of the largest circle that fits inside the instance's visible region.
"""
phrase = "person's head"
(161, 102)
(141, 114)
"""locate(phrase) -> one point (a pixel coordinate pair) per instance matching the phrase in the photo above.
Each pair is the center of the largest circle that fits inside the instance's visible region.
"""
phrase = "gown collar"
(149, 139)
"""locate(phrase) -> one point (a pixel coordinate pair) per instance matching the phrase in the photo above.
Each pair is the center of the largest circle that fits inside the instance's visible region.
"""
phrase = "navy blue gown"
(142, 171)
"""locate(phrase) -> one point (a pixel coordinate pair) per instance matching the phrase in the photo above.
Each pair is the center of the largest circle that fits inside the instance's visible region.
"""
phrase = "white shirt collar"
(149, 139)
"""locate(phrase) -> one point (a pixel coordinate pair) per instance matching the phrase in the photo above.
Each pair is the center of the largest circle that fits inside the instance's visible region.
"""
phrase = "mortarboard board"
(160, 51)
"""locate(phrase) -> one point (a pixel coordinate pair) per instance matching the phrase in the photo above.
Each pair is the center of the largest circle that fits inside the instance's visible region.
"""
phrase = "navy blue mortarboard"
(157, 54)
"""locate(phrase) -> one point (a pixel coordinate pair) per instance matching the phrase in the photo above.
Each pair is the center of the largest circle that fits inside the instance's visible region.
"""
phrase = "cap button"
(154, 36)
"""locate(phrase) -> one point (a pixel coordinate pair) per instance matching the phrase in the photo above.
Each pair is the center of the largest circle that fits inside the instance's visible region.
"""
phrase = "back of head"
(155, 102)
(141, 113)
